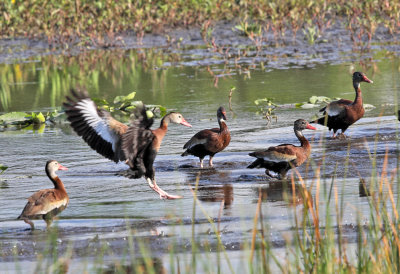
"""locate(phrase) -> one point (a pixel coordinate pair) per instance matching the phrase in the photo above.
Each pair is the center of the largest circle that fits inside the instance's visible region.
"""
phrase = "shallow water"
(105, 207)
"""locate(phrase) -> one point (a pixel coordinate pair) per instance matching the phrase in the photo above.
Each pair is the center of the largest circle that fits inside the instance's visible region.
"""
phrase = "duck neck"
(58, 184)
(162, 130)
(164, 123)
(358, 99)
(222, 125)
(302, 139)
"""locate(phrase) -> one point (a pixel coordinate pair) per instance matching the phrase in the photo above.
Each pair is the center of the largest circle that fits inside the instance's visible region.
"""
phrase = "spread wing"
(336, 108)
(138, 137)
(43, 202)
(202, 137)
(99, 130)
(281, 153)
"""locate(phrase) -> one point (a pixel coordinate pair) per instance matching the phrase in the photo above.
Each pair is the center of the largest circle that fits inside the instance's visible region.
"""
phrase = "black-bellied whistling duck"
(136, 144)
(47, 203)
(280, 159)
(209, 141)
(343, 113)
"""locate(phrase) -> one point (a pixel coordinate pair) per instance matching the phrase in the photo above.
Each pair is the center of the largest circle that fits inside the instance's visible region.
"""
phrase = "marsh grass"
(101, 23)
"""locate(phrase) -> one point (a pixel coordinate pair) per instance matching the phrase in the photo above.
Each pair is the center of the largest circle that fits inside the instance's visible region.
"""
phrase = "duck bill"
(60, 167)
(185, 123)
(365, 78)
(310, 127)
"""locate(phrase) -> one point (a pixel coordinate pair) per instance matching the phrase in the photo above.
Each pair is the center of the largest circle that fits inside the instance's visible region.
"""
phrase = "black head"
(221, 113)
(359, 77)
(301, 124)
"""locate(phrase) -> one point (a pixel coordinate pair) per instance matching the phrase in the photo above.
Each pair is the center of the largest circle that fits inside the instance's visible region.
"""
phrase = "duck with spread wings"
(137, 145)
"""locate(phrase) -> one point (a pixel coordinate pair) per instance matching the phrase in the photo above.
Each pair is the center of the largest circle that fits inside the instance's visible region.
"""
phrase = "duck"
(280, 159)
(343, 113)
(137, 145)
(209, 141)
(46, 203)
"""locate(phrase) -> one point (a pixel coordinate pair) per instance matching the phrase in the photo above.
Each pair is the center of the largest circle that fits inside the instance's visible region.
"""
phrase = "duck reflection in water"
(216, 193)
(139, 265)
(292, 194)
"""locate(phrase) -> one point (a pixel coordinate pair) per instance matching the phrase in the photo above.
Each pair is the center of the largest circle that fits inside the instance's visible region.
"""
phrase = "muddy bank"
(227, 45)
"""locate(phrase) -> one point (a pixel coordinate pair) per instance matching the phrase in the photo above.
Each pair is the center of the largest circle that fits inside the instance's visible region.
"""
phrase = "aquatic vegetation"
(266, 107)
(248, 29)
(123, 105)
(24, 119)
(104, 23)
(315, 101)
(3, 168)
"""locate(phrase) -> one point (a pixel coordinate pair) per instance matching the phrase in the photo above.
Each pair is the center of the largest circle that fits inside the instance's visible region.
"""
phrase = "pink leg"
(201, 162)
(210, 161)
(163, 195)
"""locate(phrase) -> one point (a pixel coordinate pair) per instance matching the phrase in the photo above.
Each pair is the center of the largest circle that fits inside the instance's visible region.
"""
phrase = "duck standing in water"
(343, 113)
(209, 141)
(280, 159)
(47, 203)
(135, 144)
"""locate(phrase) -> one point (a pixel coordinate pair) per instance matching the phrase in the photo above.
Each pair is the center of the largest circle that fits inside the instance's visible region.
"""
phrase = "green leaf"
(121, 98)
(13, 117)
(100, 102)
(38, 118)
(163, 111)
(2, 169)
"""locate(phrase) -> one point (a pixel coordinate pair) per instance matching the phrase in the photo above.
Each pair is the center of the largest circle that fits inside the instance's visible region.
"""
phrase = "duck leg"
(201, 162)
(210, 161)
(48, 221)
(163, 195)
(26, 220)
(270, 175)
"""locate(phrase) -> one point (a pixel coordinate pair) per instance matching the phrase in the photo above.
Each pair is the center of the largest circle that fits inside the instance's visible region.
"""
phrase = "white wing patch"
(52, 206)
(196, 142)
(89, 112)
(334, 109)
(278, 157)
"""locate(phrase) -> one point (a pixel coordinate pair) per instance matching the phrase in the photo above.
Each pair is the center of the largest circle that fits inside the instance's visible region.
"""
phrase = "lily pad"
(368, 106)
(13, 117)
(319, 99)
(124, 99)
(308, 105)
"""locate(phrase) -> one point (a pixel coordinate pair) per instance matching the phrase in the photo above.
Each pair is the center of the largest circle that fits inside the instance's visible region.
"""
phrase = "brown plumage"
(46, 203)
(135, 144)
(280, 159)
(343, 113)
(209, 141)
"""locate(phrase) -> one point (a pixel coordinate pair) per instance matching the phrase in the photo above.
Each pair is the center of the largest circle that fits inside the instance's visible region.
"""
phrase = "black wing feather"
(91, 123)
(137, 139)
